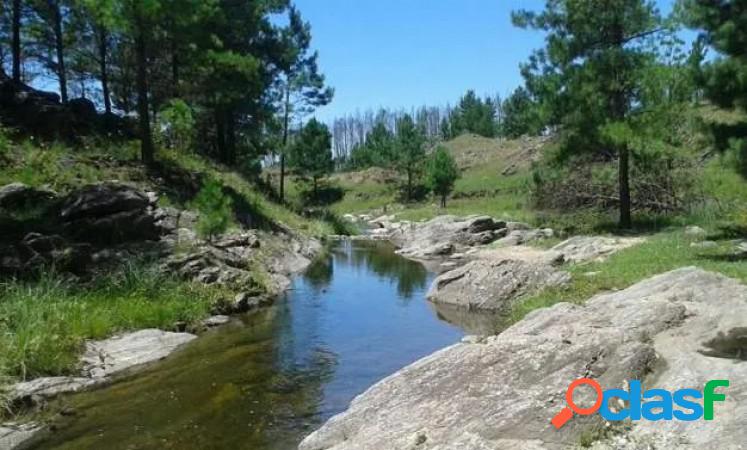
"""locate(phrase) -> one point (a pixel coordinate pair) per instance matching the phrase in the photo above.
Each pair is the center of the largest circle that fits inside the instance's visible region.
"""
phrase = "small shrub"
(177, 125)
(215, 208)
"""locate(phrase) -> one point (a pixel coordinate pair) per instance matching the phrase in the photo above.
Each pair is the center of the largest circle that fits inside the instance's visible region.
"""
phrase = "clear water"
(268, 379)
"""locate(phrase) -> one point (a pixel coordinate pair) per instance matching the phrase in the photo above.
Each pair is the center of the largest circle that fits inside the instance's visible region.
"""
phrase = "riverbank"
(265, 380)
(93, 245)
(609, 308)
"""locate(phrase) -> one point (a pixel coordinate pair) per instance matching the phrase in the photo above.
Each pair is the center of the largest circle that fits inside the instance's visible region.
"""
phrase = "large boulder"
(446, 234)
(497, 279)
(102, 199)
(109, 213)
(501, 392)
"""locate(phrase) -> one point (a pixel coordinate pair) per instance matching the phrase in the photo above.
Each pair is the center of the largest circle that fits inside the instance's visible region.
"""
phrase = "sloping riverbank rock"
(501, 393)
(16, 435)
(496, 279)
(103, 359)
(119, 353)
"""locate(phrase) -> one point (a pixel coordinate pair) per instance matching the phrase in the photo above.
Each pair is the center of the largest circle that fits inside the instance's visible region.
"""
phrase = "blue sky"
(404, 53)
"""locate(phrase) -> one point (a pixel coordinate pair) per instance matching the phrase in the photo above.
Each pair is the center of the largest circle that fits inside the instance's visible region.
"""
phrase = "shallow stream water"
(266, 380)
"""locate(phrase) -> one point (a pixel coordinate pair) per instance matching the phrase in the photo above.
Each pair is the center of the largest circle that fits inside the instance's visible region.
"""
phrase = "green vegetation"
(215, 210)
(441, 173)
(43, 324)
(662, 252)
(311, 154)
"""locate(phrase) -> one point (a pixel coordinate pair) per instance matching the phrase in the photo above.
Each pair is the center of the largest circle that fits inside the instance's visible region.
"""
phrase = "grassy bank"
(43, 324)
(661, 252)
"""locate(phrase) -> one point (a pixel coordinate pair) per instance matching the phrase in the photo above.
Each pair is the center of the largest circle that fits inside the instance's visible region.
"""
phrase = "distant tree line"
(367, 139)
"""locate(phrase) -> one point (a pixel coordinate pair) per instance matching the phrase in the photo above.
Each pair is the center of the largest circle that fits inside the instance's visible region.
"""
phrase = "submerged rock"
(501, 393)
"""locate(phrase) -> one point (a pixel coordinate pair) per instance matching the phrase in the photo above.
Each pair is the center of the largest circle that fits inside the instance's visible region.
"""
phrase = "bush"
(177, 125)
(215, 208)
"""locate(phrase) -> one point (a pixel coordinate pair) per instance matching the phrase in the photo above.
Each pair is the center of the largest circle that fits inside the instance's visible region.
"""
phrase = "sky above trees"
(400, 54)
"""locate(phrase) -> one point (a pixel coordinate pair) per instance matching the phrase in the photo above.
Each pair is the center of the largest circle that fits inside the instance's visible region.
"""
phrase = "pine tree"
(441, 173)
(724, 80)
(591, 67)
(215, 208)
(410, 151)
(311, 153)
(301, 87)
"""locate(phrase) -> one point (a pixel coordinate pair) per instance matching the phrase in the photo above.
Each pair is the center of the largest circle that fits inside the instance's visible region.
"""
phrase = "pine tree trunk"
(220, 131)
(286, 124)
(104, 71)
(624, 180)
(146, 139)
(230, 138)
(443, 201)
(619, 112)
(409, 185)
(54, 6)
(16, 44)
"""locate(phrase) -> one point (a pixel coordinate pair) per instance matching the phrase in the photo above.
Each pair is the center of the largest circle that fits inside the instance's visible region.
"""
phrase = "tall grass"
(43, 324)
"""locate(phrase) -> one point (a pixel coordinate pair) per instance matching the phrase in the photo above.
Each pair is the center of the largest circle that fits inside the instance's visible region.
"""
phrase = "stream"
(268, 379)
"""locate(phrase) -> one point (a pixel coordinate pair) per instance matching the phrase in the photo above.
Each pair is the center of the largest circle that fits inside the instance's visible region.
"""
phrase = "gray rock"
(216, 321)
(245, 302)
(704, 244)
(494, 284)
(695, 231)
(49, 387)
(523, 236)
(13, 436)
(444, 235)
(580, 249)
(17, 195)
(502, 394)
(102, 199)
(119, 353)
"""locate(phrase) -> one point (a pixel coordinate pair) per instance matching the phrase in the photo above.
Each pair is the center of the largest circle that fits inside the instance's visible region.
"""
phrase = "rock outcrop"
(501, 392)
(444, 235)
(495, 280)
(580, 249)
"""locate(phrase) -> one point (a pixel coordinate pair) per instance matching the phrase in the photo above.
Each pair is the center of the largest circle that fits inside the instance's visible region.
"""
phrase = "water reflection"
(379, 257)
(267, 380)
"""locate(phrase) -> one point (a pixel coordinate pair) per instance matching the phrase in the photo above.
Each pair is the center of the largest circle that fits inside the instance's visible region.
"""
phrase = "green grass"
(660, 253)
(43, 324)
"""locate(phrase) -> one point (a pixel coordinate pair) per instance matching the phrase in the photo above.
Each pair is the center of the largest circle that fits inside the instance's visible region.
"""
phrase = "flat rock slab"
(49, 387)
(581, 249)
(671, 331)
(108, 357)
